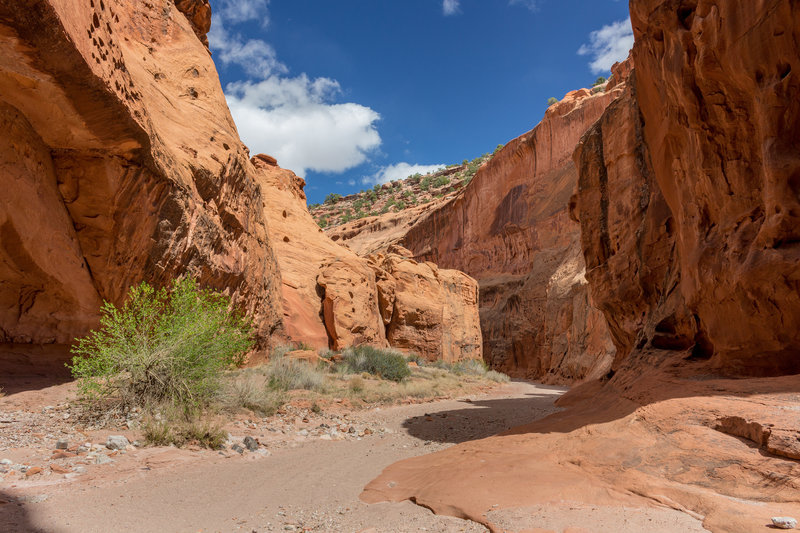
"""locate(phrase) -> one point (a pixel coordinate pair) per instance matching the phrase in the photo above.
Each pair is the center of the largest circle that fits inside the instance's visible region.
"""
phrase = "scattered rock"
(58, 469)
(6, 462)
(250, 443)
(116, 442)
(62, 445)
(103, 459)
(784, 522)
(38, 470)
(237, 448)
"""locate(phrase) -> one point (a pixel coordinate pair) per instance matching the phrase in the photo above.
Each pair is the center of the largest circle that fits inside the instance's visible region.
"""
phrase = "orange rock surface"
(427, 310)
(334, 298)
(120, 163)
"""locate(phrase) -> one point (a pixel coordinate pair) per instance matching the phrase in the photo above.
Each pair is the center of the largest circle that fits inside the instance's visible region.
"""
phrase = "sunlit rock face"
(120, 163)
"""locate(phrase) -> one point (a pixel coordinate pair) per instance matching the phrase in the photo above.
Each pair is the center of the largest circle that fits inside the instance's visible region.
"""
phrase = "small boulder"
(116, 442)
(784, 522)
(102, 459)
(250, 443)
(237, 448)
(62, 445)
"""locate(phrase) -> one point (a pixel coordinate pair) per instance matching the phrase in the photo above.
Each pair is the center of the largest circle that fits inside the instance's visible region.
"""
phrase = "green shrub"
(441, 181)
(414, 357)
(425, 184)
(162, 346)
(387, 364)
(332, 198)
(600, 81)
(552, 100)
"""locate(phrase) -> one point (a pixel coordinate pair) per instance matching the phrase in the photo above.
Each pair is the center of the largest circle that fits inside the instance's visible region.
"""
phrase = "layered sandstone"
(335, 298)
(120, 163)
(428, 310)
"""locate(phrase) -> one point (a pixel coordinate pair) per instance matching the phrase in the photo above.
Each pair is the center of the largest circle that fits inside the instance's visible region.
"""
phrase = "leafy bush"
(387, 364)
(552, 100)
(425, 184)
(441, 181)
(499, 147)
(600, 81)
(332, 198)
(166, 345)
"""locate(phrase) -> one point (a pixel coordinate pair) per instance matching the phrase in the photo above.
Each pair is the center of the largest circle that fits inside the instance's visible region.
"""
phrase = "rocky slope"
(510, 229)
(109, 180)
(334, 298)
(686, 204)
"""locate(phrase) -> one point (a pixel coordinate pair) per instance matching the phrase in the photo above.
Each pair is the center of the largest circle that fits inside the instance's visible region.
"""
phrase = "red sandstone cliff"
(689, 193)
(687, 200)
(120, 162)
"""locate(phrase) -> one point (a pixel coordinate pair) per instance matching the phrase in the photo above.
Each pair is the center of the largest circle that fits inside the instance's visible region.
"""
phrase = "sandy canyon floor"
(301, 479)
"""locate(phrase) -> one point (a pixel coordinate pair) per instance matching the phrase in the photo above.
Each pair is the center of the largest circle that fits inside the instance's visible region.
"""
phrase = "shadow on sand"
(597, 402)
(14, 516)
(484, 418)
(25, 367)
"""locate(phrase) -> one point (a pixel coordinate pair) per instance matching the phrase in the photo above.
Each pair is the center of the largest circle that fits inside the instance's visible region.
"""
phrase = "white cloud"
(291, 119)
(450, 7)
(237, 11)
(608, 45)
(295, 119)
(255, 56)
(399, 171)
(533, 5)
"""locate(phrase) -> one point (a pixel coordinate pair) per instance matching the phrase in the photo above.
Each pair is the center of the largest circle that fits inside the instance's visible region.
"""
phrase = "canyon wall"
(334, 298)
(120, 163)
(689, 198)
(510, 229)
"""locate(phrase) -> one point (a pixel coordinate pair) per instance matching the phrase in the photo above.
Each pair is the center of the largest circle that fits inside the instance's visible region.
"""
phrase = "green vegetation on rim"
(395, 196)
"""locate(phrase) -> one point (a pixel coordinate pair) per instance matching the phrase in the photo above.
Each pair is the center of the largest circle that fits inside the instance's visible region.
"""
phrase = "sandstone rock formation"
(334, 298)
(510, 228)
(711, 260)
(120, 163)
(427, 310)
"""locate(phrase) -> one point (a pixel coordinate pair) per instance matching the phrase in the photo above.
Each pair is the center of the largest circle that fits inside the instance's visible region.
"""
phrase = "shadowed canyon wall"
(689, 199)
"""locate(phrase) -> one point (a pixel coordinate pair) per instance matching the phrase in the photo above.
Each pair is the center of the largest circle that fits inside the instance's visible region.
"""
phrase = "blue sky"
(350, 93)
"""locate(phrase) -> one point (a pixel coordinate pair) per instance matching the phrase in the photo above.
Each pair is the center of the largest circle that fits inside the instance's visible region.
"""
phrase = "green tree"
(162, 346)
